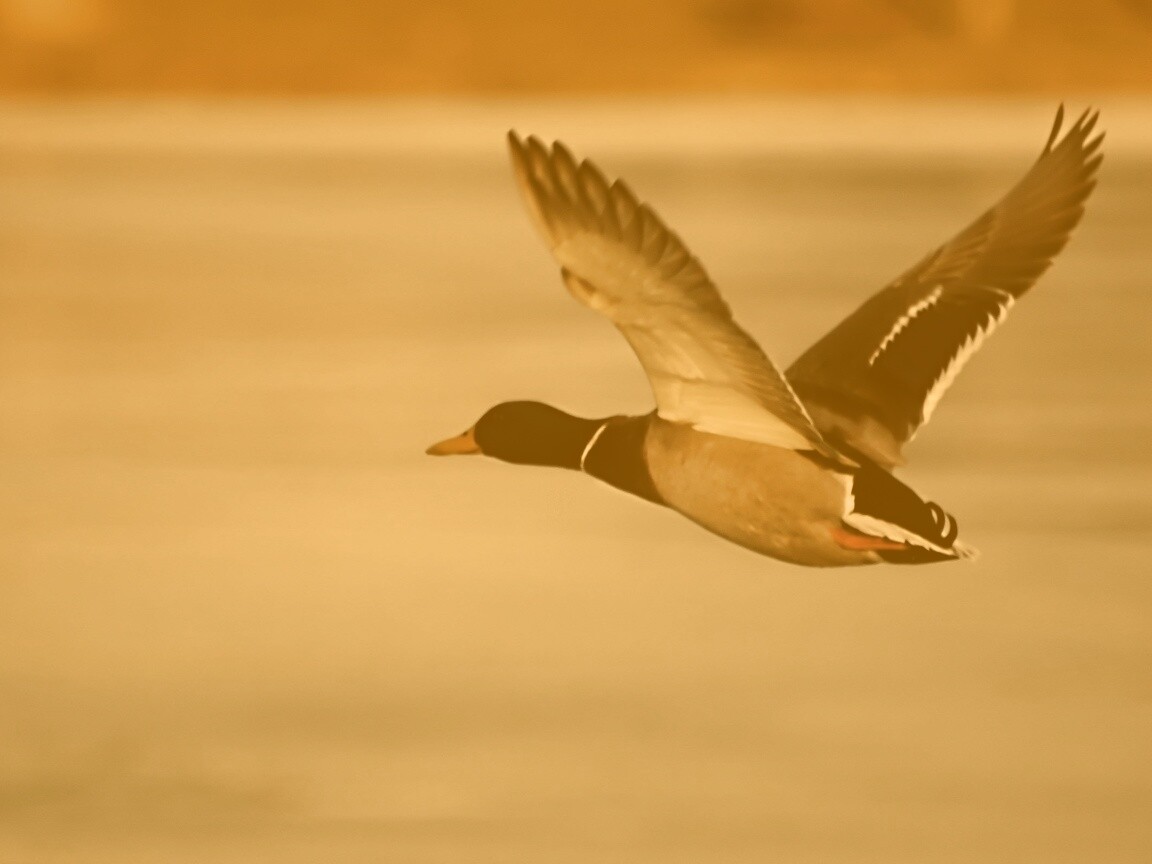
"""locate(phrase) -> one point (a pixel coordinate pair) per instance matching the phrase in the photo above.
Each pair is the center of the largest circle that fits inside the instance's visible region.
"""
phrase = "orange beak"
(461, 445)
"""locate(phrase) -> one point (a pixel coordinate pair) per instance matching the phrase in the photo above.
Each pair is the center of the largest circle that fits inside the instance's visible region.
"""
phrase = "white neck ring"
(591, 443)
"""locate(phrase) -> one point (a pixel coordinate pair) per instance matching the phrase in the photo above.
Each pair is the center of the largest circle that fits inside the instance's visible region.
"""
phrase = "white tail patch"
(966, 552)
(889, 531)
(906, 319)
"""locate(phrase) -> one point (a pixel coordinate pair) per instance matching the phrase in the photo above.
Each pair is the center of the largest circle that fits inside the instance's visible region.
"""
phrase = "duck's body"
(795, 466)
(707, 477)
(746, 492)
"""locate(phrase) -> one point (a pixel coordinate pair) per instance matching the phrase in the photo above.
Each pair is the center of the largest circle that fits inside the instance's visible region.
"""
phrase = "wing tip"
(1055, 131)
(1078, 136)
(516, 145)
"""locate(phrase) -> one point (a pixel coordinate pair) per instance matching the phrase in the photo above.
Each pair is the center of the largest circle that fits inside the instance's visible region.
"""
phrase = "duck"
(794, 464)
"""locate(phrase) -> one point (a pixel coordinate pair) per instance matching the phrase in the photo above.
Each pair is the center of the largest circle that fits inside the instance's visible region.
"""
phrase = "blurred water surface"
(243, 618)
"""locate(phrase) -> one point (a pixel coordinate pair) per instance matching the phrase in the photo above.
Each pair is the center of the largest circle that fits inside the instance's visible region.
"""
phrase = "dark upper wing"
(876, 378)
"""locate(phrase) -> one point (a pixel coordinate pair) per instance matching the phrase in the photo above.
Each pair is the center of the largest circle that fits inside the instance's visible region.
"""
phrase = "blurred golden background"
(255, 256)
(596, 46)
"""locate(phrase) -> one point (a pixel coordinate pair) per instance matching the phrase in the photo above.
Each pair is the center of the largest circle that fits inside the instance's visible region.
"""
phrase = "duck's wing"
(619, 259)
(873, 381)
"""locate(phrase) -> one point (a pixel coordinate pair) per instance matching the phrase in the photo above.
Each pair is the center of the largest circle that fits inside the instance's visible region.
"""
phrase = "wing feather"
(875, 379)
(618, 258)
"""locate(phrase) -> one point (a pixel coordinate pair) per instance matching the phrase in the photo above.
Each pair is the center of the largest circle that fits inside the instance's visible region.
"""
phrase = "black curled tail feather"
(886, 503)
(946, 523)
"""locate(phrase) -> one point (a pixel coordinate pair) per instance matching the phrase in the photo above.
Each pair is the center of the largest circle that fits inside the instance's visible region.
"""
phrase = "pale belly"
(771, 500)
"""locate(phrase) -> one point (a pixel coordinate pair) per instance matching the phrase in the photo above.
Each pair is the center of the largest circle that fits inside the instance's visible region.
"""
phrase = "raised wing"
(619, 259)
(873, 381)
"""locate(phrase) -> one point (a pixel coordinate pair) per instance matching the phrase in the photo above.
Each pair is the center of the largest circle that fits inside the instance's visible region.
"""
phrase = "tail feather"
(884, 507)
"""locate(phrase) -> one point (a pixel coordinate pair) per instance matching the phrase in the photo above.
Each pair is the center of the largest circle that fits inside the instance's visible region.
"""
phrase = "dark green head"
(524, 433)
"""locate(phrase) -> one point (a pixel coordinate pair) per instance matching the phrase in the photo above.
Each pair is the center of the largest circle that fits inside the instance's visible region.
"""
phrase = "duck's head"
(524, 433)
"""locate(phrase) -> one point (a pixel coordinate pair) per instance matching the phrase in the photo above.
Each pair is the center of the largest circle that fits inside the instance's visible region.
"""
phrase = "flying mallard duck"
(794, 465)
